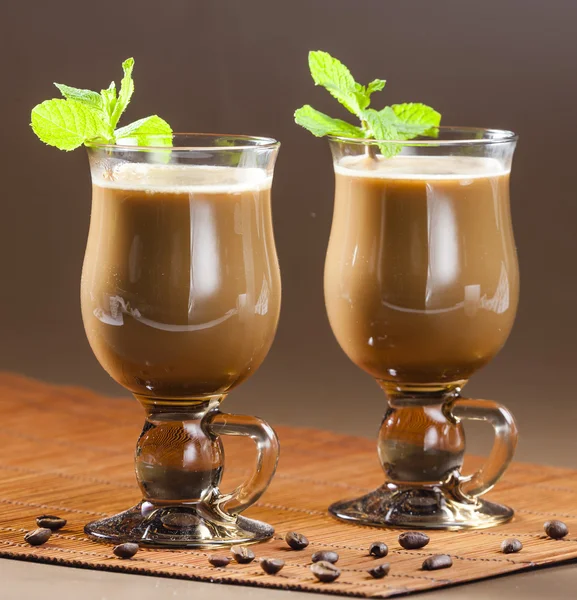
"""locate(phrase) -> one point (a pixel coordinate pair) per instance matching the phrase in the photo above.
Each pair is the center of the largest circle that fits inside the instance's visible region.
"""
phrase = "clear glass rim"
(241, 142)
(470, 137)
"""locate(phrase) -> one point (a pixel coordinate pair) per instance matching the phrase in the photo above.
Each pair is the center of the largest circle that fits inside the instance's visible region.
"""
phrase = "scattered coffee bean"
(271, 566)
(437, 561)
(297, 541)
(242, 554)
(38, 536)
(411, 540)
(50, 522)
(219, 560)
(380, 571)
(325, 571)
(555, 529)
(327, 555)
(127, 550)
(511, 546)
(378, 549)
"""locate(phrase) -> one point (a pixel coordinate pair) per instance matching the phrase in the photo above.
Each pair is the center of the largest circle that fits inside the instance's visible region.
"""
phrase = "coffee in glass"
(421, 290)
(180, 302)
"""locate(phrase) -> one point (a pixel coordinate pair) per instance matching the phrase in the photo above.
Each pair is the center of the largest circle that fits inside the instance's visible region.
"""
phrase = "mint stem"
(370, 149)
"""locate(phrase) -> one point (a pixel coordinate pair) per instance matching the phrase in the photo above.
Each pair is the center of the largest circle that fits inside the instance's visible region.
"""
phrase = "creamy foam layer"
(181, 178)
(421, 167)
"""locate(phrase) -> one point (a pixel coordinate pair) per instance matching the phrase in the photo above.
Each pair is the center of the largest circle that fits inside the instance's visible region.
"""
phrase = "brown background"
(240, 67)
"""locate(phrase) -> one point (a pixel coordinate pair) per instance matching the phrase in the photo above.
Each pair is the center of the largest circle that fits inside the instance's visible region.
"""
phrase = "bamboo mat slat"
(69, 451)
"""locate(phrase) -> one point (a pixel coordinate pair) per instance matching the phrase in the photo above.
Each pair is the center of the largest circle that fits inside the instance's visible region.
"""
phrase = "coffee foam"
(421, 167)
(180, 178)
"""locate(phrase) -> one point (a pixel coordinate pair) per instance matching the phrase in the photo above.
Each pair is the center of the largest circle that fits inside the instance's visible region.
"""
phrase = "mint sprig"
(398, 122)
(86, 117)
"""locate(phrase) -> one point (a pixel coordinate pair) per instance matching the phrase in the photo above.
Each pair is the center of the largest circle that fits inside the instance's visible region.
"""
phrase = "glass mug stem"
(179, 463)
(421, 446)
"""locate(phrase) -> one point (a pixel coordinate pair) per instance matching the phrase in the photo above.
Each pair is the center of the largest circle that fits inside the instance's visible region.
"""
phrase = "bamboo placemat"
(68, 451)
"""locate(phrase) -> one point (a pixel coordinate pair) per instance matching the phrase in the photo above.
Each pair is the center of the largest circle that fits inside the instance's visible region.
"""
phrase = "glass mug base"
(179, 464)
(178, 526)
(419, 508)
(421, 446)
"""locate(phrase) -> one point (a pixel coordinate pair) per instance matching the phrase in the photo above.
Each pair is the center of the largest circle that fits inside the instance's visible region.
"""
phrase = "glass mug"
(180, 301)
(421, 290)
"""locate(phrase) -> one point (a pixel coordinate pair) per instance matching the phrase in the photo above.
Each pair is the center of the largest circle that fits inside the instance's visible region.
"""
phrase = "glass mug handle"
(267, 447)
(480, 482)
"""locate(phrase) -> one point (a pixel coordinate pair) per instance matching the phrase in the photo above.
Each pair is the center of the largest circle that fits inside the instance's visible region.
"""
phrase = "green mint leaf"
(381, 127)
(338, 81)
(417, 119)
(375, 86)
(126, 91)
(109, 99)
(150, 131)
(363, 98)
(67, 124)
(320, 124)
(87, 97)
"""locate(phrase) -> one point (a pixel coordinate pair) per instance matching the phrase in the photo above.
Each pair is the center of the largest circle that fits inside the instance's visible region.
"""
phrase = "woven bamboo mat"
(68, 451)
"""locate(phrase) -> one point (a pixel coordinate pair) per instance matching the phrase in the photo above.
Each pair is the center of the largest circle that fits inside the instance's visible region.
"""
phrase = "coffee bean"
(438, 561)
(242, 554)
(380, 571)
(378, 549)
(511, 546)
(127, 550)
(271, 566)
(50, 522)
(555, 529)
(327, 555)
(219, 560)
(325, 571)
(297, 541)
(411, 540)
(38, 536)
